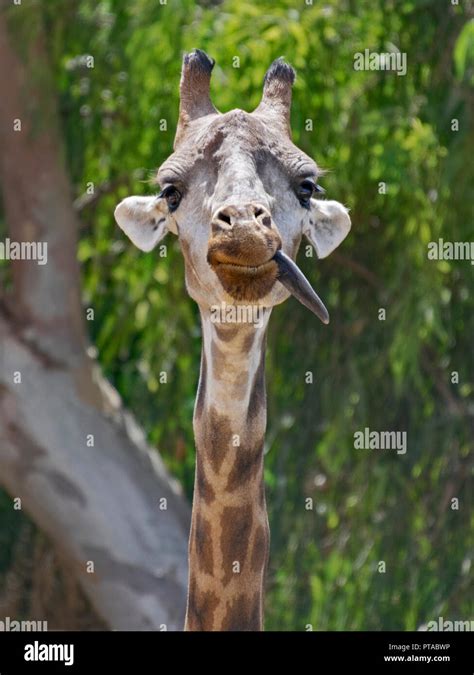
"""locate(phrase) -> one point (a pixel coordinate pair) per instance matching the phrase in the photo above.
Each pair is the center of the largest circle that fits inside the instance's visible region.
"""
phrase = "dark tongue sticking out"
(295, 281)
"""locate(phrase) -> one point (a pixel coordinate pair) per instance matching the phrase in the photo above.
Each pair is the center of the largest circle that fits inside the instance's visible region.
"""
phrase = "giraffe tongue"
(295, 281)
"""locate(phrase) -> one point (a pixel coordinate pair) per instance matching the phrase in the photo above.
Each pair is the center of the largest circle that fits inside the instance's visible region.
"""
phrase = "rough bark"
(99, 504)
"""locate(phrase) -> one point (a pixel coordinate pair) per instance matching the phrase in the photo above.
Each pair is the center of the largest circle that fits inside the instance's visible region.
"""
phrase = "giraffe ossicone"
(239, 195)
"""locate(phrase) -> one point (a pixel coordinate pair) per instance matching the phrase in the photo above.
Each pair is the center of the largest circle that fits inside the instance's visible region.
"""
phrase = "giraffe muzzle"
(293, 279)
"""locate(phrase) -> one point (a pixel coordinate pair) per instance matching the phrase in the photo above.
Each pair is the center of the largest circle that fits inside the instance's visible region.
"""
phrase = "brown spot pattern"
(236, 524)
(248, 341)
(214, 437)
(247, 463)
(204, 487)
(201, 608)
(226, 334)
(239, 388)
(203, 542)
(243, 614)
(218, 359)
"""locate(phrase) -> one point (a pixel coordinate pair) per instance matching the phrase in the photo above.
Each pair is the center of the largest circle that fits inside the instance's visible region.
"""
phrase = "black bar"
(391, 652)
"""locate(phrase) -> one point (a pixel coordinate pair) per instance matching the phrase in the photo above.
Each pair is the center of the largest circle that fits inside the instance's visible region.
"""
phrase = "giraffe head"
(239, 195)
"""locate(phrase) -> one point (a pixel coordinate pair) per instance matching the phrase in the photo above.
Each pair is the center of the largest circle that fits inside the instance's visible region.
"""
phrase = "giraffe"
(239, 195)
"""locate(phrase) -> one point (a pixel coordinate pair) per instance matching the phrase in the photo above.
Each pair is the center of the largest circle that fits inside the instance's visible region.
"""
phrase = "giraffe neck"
(229, 540)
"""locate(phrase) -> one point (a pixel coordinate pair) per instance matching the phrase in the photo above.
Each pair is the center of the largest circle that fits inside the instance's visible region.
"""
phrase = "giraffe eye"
(172, 196)
(306, 189)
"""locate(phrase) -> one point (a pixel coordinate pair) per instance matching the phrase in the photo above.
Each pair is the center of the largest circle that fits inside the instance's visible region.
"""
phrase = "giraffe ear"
(145, 220)
(326, 226)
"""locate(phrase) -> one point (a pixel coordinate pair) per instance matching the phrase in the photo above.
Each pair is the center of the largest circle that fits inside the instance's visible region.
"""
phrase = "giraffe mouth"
(247, 270)
(249, 283)
(293, 279)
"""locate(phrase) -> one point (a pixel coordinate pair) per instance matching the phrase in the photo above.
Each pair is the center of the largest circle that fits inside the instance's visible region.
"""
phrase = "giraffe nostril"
(258, 212)
(267, 221)
(222, 215)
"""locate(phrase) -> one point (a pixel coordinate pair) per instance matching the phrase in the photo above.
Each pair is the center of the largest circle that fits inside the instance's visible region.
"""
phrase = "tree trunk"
(76, 459)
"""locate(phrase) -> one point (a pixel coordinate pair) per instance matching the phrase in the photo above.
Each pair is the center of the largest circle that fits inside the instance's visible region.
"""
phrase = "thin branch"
(357, 268)
(107, 187)
(456, 406)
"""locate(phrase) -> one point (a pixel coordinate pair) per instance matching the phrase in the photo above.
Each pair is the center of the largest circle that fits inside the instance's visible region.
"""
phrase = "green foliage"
(369, 127)
(464, 53)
